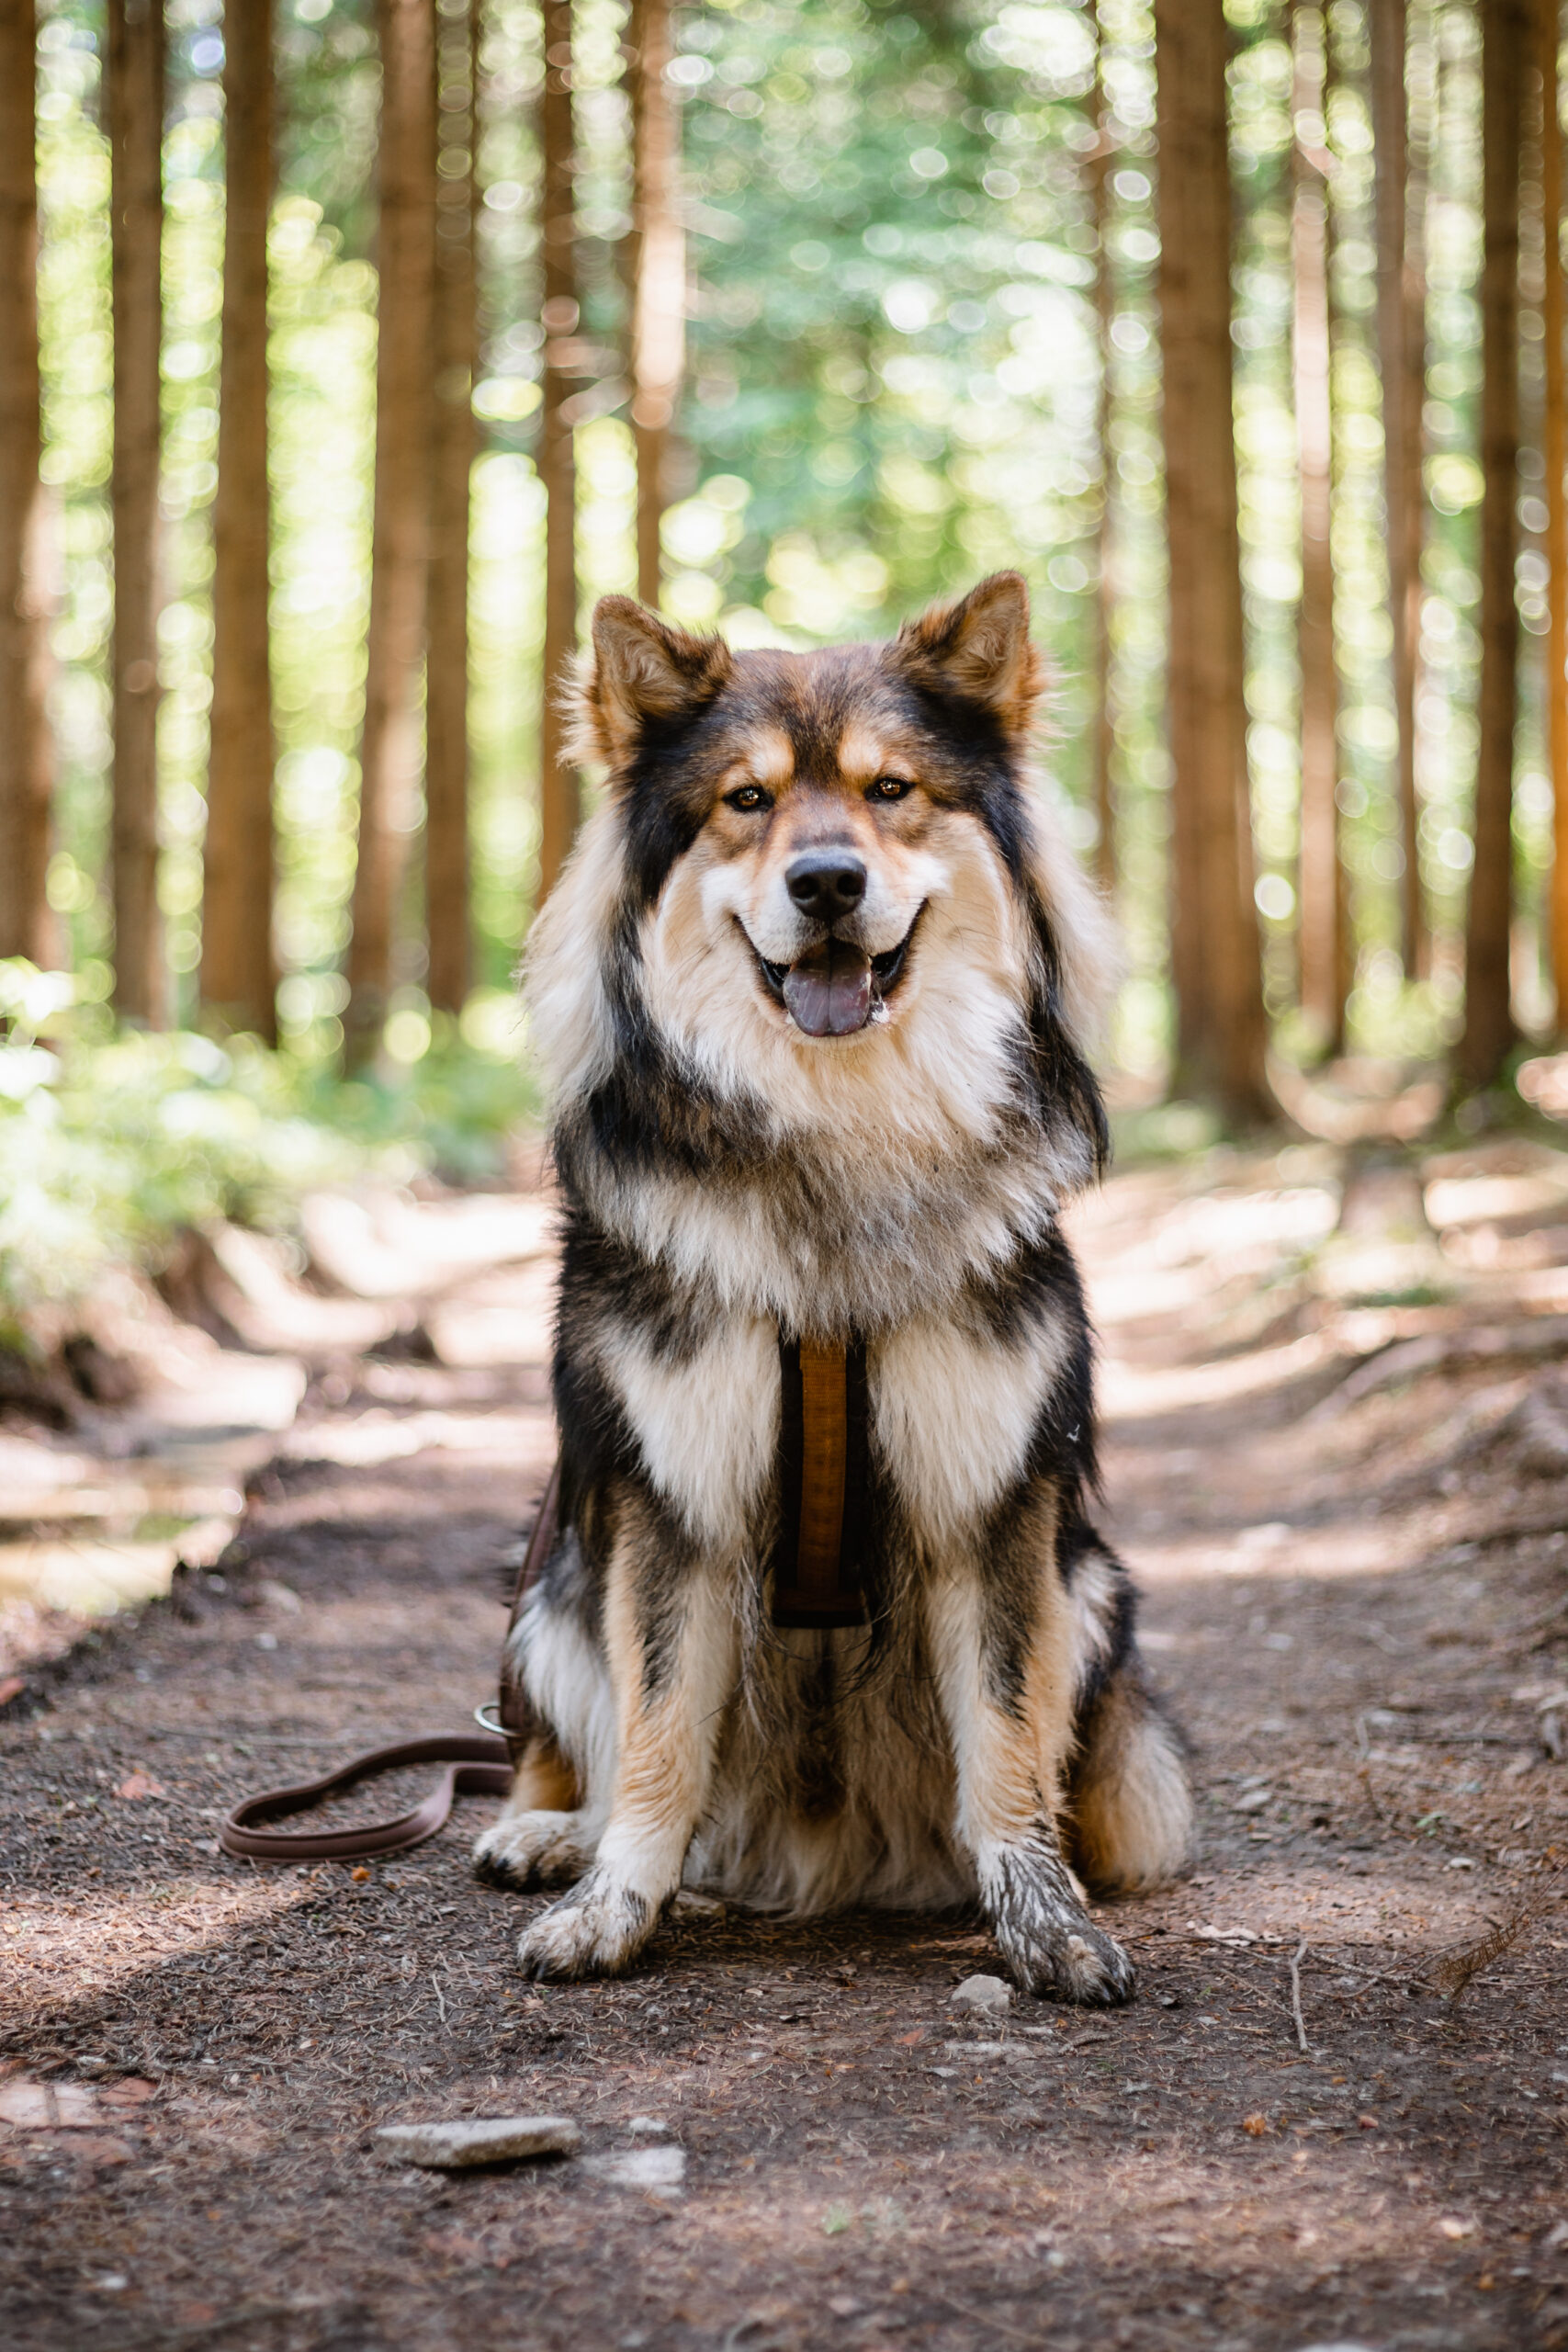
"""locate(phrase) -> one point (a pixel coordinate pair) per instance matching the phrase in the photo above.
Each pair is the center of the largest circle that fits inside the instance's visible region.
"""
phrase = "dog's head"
(823, 874)
(804, 812)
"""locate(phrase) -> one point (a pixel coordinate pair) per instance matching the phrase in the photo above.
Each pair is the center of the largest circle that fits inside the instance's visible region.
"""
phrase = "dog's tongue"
(828, 991)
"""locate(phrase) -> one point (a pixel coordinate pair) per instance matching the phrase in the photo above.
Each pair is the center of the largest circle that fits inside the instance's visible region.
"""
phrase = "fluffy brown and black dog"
(811, 996)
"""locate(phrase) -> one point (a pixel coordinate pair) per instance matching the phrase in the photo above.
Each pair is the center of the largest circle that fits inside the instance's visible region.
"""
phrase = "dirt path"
(1351, 1577)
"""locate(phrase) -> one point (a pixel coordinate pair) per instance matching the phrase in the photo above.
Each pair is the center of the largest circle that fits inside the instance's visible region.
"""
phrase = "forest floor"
(1338, 1459)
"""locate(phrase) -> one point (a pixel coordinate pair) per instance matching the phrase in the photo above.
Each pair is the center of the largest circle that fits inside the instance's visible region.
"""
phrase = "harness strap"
(823, 1413)
(815, 1580)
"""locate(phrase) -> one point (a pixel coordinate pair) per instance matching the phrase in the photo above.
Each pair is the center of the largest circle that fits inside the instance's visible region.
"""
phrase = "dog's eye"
(748, 796)
(890, 788)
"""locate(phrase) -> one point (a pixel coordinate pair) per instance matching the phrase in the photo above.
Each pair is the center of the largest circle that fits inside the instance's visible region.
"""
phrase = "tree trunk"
(238, 973)
(558, 802)
(134, 94)
(1555, 439)
(1488, 1023)
(452, 456)
(1321, 925)
(1214, 943)
(388, 758)
(1400, 322)
(27, 927)
(658, 316)
(1105, 308)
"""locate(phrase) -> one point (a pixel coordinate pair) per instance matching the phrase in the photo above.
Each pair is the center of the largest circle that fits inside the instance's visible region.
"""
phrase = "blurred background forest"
(350, 348)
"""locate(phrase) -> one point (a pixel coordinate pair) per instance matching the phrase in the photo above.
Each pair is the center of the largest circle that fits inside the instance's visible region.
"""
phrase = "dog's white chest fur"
(954, 1411)
(952, 1408)
(707, 1424)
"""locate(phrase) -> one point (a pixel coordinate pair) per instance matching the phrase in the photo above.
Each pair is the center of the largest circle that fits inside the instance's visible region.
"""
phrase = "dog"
(812, 994)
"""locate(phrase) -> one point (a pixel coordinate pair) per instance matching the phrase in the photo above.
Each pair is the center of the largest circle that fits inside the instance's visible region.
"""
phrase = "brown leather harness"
(816, 1583)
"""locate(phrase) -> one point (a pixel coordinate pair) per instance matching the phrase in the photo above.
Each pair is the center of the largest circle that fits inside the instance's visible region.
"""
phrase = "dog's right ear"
(640, 669)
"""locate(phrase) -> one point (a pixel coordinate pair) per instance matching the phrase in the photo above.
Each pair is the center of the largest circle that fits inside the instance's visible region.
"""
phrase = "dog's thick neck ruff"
(829, 1174)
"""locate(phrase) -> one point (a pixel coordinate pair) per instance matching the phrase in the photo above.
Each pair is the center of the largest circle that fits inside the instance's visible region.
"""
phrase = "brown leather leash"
(478, 1764)
(816, 1583)
(475, 1765)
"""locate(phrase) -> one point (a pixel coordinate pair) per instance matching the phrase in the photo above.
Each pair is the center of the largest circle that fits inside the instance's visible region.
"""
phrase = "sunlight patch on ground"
(1132, 1392)
(57, 1951)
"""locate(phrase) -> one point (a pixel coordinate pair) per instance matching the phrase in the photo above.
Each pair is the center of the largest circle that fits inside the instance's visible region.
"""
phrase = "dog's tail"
(1130, 1801)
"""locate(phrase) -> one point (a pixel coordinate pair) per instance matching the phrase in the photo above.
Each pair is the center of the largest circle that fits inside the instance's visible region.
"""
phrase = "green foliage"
(110, 1145)
(894, 359)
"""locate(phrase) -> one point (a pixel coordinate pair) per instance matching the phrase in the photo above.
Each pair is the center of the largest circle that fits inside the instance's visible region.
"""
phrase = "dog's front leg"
(1006, 1715)
(671, 1640)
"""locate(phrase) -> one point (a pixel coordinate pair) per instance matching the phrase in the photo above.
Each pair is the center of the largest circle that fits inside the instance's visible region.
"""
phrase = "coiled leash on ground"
(823, 1441)
(478, 1764)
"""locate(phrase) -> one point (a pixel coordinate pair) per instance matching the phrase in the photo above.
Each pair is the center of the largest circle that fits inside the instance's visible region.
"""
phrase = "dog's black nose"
(826, 883)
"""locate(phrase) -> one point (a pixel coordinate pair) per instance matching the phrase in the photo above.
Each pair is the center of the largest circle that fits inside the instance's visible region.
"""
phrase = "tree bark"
(1488, 1023)
(658, 316)
(558, 797)
(1321, 927)
(134, 95)
(1105, 310)
(1400, 322)
(26, 776)
(1214, 941)
(1555, 452)
(238, 972)
(388, 758)
(452, 458)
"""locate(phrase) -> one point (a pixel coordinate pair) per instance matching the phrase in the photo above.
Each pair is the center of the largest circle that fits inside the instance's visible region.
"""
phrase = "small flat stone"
(981, 1994)
(649, 2127)
(660, 2169)
(478, 2140)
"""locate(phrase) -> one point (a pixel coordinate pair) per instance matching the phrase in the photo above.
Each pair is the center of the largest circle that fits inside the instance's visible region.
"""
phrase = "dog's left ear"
(979, 650)
(641, 668)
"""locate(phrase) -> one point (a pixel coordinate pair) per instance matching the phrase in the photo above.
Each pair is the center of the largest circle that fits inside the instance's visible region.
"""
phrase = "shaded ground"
(1339, 1462)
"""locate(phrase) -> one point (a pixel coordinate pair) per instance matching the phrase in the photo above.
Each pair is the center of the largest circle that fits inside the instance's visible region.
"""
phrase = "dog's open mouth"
(835, 987)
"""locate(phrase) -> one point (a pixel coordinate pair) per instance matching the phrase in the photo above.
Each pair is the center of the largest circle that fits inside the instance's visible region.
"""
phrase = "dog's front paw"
(1075, 1962)
(596, 1930)
(525, 1849)
(1045, 1934)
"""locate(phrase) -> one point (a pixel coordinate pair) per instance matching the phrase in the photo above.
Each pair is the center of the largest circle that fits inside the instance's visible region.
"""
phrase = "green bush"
(109, 1145)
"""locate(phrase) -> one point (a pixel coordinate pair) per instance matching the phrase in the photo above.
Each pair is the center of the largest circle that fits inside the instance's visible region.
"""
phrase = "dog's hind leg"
(540, 1837)
(1003, 1684)
(671, 1641)
(548, 1829)
(1132, 1806)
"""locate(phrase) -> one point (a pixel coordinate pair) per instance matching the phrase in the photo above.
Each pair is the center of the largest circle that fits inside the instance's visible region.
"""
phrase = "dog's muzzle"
(834, 987)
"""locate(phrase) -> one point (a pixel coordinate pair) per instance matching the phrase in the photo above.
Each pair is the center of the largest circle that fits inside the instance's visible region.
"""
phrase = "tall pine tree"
(658, 316)
(1214, 941)
(388, 756)
(238, 977)
(1488, 1020)
(1101, 162)
(1555, 452)
(559, 805)
(455, 334)
(1400, 336)
(1322, 928)
(134, 93)
(25, 761)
